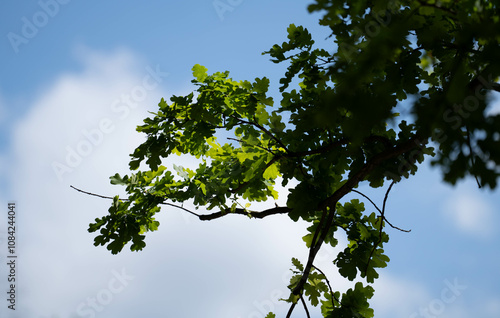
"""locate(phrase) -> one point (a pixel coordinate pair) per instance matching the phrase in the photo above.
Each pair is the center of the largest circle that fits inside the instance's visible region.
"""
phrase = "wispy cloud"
(398, 296)
(470, 214)
(185, 257)
(57, 251)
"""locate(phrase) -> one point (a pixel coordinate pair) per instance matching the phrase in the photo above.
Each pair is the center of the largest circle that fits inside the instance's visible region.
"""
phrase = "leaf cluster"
(399, 78)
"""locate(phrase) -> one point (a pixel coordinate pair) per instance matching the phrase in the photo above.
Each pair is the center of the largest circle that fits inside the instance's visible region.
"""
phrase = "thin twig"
(366, 197)
(95, 195)
(262, 129)
(472, 156)
(381, 226)
(258, 146)
(395, 227)
(386, 196)
(126, 199)
(329, 286)
(378, 209)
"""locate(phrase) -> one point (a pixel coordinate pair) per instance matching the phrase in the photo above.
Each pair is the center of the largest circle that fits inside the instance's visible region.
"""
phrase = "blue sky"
(71, 93)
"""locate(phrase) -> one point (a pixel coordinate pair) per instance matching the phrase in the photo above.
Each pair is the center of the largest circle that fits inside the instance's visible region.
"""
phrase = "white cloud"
(398, 296)
(494, 108)
(470, 214)
(186, 259)
(65, 121)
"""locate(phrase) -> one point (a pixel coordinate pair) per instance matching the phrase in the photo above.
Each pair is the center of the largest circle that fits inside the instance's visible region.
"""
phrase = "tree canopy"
(336, 126)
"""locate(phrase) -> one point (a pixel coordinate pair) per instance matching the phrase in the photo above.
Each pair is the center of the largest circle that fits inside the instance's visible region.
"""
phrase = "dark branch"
(313, 250)
(367, 168)
(252, 214)
(212, 216)
(289, 314)
(305, 306)
(495, 87)
(330, 202)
